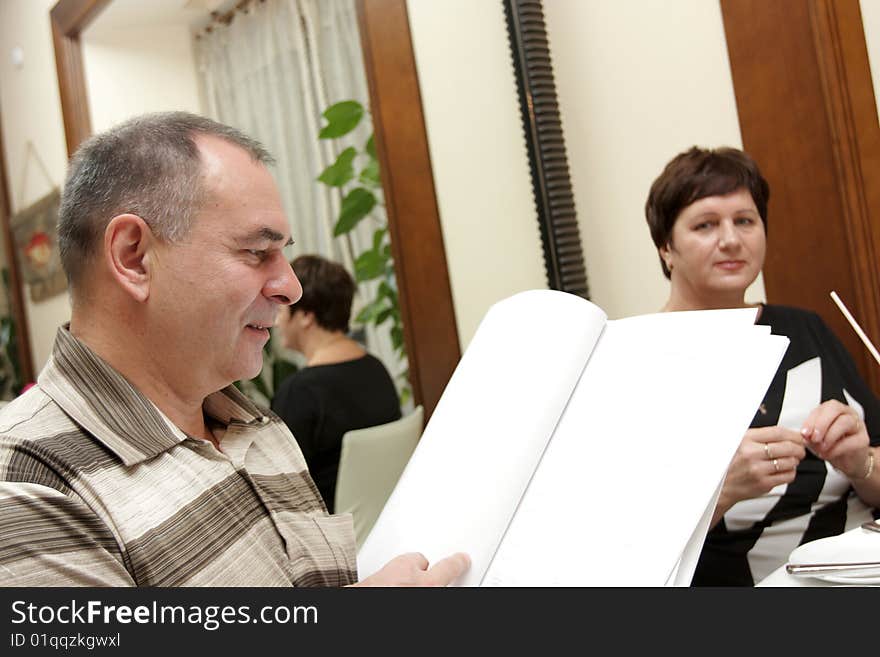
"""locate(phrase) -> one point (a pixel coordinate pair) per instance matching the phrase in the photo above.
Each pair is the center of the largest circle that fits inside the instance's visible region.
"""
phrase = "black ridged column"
(551, 185)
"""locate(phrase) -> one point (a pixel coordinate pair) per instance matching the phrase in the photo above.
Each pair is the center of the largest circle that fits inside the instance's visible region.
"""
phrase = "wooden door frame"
(424, 290)
(430, 331)
(808, 115)
(16, 297)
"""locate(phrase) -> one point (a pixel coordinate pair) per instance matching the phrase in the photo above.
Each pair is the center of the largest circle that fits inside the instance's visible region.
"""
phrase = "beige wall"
(871, 23)
(638, 81)
(127, 72)
(31, 110)
(137, 70)
(484, 193)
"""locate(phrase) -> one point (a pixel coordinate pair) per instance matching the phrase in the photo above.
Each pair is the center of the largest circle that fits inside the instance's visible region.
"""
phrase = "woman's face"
(717, 246)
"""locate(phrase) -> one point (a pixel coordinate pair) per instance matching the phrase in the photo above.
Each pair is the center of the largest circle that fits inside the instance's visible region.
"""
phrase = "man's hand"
(412, 569)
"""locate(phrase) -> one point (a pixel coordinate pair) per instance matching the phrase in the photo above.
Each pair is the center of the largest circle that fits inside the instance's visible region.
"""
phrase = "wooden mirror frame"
(16, 298)
(430, 331)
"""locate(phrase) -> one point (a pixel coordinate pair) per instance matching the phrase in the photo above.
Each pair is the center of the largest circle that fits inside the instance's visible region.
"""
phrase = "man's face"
(216, 292)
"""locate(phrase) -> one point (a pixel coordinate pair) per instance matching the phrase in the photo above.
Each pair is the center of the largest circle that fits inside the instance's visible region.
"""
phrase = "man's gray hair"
(148, 166)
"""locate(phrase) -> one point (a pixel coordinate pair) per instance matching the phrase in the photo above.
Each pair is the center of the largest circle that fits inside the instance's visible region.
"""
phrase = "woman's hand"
(766, 457)
(835, 432)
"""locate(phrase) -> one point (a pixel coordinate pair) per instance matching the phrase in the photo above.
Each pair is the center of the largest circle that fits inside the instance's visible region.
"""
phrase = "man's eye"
(745, 221)
(258, 253)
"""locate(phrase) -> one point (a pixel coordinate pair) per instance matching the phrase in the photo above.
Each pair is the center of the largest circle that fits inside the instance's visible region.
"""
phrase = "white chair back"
(370, 464)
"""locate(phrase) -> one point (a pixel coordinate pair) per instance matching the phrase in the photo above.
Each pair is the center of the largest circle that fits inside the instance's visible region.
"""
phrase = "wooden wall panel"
(430, 331)
(16, 297)
(808, 116)
(69, 18)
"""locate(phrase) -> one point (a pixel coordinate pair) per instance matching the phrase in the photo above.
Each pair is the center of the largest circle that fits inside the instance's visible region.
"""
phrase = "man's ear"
(127, 249)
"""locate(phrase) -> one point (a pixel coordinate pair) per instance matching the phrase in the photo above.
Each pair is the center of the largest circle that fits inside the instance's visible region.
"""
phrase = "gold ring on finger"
(776, 464)
(767, 452)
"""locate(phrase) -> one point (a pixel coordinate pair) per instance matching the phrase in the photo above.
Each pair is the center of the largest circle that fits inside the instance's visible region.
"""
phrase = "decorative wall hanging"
(36, 236)
(36, 247)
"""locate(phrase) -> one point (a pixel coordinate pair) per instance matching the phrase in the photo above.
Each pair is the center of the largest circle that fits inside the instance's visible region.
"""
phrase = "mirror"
(425, 299)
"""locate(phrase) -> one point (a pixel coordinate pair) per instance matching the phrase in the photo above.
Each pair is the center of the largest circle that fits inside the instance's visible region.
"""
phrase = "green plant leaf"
(397, 337)
(369, 265)
(385, 290)
(356, 205)
(342, 118)
(405, 394)
(370, 311)
(341, 171)
(370, 174)
(376, 262)
(383, 316)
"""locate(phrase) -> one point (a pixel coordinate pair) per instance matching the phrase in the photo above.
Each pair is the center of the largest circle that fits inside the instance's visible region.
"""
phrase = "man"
(133, 461)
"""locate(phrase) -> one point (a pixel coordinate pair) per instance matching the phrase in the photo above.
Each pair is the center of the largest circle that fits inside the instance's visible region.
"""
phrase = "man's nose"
(283, 287)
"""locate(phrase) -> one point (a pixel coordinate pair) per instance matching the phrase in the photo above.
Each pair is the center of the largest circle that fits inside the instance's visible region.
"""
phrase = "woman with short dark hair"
(805, 469)
(342, 387)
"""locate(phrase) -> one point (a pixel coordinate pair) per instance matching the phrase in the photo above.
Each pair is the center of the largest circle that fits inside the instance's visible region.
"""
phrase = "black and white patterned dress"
(755, 536)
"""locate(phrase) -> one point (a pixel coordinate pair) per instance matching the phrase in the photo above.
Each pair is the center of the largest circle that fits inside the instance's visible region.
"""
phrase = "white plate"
(855, 546)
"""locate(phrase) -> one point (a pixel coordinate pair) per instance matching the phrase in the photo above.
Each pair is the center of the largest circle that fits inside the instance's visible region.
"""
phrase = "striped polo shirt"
(99, 488)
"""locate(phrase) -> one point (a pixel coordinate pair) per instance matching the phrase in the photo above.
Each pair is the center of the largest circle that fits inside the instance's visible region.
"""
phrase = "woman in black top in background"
(342, 387)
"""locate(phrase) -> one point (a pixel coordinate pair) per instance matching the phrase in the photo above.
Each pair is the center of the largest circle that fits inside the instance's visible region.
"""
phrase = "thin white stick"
(856, 327)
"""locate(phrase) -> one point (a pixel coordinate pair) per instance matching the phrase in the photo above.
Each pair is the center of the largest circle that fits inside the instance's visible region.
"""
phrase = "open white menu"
(570, 450)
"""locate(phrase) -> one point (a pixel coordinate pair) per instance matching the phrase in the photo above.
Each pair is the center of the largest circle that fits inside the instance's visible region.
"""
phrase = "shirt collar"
(117, 414)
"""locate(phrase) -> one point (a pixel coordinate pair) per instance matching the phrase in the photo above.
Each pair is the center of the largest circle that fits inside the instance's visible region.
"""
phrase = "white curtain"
(271, 72)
